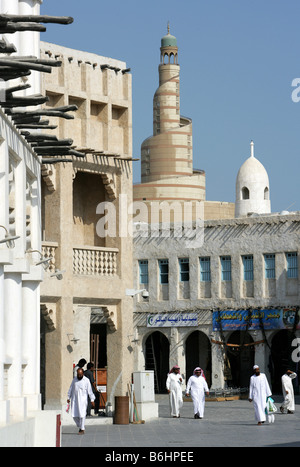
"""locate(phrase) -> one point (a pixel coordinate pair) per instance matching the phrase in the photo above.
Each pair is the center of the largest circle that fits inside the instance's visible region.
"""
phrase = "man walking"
(173, 385)
(288, 392)
(258, 393)
(78, 394)
(197, 386)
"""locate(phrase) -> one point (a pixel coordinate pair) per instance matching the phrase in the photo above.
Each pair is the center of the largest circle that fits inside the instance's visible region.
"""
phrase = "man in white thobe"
(197, 387)
(288, 392)
(78, 394)
(258, 392)
(173, 385)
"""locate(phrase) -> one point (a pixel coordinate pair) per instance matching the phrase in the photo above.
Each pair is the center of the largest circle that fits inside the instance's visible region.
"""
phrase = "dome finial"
(252, 149)
(168, 27)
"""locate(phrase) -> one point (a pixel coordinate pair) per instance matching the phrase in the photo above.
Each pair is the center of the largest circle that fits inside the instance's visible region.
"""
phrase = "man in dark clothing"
(89, 373)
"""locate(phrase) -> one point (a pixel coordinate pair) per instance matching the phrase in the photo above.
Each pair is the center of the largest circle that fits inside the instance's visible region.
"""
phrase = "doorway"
(157, 352)
(98, 351)
(241, 359)
(198, 353)
(281, 359)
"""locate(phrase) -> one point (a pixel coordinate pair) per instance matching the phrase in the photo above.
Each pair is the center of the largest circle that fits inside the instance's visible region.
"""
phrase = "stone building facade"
(187, 285)
(97, 267)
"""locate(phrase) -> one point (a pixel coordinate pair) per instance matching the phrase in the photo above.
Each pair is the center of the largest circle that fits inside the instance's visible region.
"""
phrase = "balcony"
(95, 261)
(87, 260)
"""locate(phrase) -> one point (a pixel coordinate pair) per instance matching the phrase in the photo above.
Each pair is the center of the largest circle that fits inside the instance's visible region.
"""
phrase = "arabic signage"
(167, 320)
(270, 319)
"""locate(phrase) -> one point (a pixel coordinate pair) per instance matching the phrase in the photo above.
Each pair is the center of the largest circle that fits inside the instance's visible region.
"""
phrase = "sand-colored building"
(90, 299)
(229, 303)
(167, 172)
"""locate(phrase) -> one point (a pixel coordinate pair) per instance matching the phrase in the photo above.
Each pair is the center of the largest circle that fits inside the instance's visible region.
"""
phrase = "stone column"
(29, 43)
(31, 343)
(2, 344)
(11, 7)
(13, 339)
(4, 404)
(217, 366)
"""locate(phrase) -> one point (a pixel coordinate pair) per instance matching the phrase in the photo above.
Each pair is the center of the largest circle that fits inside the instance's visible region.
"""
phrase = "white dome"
(252, 171)
(252, 188)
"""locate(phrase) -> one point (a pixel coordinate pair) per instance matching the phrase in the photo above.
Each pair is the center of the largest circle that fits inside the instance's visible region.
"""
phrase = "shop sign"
(167, 320)
(242, 320)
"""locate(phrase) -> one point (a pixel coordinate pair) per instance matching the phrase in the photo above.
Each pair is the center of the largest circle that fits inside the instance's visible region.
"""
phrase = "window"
(143, 265)
(226, 268)
(164, 271)
(269, 266)
(248, 267)
(245, 193)
(292, 265)
(184, 269)
(266, 193)
(205, 269)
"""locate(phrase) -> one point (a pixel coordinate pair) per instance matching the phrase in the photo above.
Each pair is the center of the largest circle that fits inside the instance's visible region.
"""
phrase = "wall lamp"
(45, 262)
(8, 239)
(133, 292)
(58, 274)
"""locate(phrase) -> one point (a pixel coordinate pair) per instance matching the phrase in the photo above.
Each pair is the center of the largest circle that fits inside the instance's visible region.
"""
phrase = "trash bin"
(121, 410)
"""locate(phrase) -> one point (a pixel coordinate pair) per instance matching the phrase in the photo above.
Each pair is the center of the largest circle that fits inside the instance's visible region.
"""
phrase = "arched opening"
(241, 359)
(245, 193)
(166, 59)
(281, 359)
(88, 192)
(157, 352)
(198, 353)
(266, 193)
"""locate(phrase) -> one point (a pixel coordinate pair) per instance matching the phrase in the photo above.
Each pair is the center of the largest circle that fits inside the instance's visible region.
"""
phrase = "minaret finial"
(252, 148)
(168, 27)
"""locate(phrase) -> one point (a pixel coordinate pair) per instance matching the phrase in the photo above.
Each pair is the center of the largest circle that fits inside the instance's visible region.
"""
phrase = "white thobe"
(78, 394)
(173, 385)
(287, 386)
(258, 392)
(197, 387)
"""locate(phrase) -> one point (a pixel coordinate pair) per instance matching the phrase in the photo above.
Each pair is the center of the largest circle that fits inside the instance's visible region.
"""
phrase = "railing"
(87, 260)
(49, 250)
(95, 261)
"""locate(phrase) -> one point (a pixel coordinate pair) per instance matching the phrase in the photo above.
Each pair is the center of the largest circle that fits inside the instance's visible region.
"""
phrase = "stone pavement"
(225, 424)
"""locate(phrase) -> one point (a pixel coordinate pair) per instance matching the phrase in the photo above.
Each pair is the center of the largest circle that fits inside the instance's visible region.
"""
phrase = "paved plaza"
(225, 424)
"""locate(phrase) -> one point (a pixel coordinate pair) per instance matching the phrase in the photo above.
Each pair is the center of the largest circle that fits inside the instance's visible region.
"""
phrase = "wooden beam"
(57, 151)
(20, 87)
(50, 113)
(23, 65)
(33, 59)
(11, 28)
(7, 48)
(36, 19)
(11, 102)
(55, 161)
(24, 126)
(8, 75)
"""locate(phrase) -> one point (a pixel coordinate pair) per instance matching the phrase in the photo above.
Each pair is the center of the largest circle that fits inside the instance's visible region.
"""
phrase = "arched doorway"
(157, 352)
(241, 359)
(281, 357)
(198, 353)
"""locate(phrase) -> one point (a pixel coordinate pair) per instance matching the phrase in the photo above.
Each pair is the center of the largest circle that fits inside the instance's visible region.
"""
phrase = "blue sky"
(238, 59)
